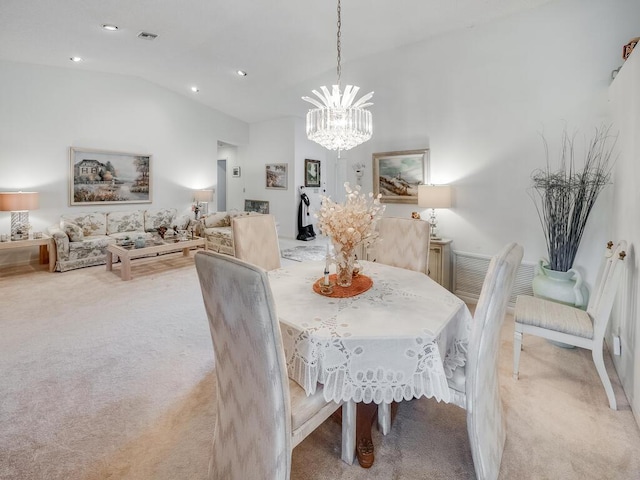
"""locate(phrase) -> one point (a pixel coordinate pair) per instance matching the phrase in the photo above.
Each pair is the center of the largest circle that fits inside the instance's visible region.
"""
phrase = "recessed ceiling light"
(242, 73)
(111, 28)
(76, 59)
(195, 89)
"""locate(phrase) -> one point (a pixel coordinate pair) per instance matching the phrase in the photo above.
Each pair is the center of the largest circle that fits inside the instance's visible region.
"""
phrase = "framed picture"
(101, 177)
(311, 173)
(276, 176)
(260, 206)
(396, 175)
(235, 172)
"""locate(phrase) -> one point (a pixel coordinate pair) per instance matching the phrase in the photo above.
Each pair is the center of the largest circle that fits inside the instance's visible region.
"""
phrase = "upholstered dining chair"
(404, 243)
(261, 414)
(475, 385)
(255, 240)
(573, 326)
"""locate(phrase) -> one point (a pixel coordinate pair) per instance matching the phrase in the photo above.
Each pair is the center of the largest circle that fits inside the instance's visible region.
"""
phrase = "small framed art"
(235, 172)
(311, 173)
(276, 176)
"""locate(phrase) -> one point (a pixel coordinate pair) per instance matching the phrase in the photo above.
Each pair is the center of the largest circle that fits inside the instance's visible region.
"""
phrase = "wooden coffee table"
(128, 253)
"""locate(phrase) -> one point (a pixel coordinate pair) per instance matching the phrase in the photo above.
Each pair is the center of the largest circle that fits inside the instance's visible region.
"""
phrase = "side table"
(45, 243)
(440, 261)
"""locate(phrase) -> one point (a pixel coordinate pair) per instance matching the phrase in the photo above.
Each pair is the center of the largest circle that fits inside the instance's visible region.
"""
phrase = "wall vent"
(469, 270)
(147, 36)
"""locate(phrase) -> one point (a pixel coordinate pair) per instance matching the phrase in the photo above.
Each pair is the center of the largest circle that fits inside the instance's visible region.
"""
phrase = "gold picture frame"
(396, 175)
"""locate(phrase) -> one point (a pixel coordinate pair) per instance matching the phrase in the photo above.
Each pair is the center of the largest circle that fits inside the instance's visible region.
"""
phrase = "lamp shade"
(203, 196)
(18, 201)
(434, 196)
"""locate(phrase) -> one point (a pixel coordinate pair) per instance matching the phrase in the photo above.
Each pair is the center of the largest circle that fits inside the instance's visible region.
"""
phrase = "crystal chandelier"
(338, 123)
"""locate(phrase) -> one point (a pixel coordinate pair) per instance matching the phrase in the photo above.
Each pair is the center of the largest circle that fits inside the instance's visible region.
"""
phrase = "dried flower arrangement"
(353, 222)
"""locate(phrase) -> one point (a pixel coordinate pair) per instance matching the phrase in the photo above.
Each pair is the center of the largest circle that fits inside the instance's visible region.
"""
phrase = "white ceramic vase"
(563, 287)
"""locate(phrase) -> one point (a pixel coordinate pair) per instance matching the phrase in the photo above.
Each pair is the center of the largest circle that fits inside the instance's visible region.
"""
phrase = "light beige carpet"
(105, 379)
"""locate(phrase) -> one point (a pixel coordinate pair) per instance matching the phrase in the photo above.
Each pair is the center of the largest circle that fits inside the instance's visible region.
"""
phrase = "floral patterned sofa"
(81, 239)
(216, 229)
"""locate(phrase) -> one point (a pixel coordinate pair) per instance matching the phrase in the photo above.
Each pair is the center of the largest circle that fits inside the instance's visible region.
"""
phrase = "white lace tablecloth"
(399, 340)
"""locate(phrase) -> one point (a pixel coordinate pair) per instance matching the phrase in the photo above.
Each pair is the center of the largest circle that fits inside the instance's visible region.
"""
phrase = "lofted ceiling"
(282, 44)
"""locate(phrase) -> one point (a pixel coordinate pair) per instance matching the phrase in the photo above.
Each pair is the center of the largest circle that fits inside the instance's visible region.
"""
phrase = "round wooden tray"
(360, 284)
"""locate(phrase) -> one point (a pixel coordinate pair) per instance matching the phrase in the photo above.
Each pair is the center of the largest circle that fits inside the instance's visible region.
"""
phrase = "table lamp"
(434, 196)
(201, 199)
(19, 204)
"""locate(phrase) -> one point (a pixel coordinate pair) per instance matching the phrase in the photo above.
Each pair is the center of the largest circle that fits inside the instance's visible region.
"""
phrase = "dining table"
(400, 339)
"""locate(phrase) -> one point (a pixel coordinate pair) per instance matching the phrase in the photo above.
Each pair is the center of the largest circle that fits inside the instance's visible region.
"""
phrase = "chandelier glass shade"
(339, 122)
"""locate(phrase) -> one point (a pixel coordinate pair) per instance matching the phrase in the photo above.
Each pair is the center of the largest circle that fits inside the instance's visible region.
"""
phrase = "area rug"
(303, 253)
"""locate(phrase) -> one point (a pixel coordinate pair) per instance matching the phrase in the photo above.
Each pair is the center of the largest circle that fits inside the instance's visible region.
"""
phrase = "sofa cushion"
(125, 222)
(93, 223)
(218, 219)
(73, 231)
(90, 247)
(154, 219)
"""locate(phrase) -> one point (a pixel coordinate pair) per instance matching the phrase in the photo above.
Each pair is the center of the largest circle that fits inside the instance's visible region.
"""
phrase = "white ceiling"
(282, 44)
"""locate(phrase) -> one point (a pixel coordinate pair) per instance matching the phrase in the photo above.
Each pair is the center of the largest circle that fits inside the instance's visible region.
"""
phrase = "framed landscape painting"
(396, 175)
(276, 176)
(311, 173)
(260, 206)
(101, 177)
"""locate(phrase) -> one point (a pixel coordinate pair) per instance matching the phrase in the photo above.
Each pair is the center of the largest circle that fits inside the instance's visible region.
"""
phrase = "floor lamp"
(434, 196)
(19, 204)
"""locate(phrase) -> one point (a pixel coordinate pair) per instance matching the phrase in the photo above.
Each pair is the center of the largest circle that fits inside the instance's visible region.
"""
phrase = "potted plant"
(564, 197)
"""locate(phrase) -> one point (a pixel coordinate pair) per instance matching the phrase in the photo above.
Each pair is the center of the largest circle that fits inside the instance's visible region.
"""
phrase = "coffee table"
(128, 253)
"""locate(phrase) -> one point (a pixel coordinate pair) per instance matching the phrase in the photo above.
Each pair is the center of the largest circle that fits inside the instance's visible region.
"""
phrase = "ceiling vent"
(147, 36)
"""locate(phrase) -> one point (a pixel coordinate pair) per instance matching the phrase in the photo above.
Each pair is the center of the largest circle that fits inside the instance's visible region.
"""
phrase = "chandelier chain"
(339, 68)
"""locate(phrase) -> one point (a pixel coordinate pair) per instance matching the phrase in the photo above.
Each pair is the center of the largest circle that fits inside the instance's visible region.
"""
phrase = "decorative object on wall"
(101, 177)
(19, 204)
(564, 197)
(434, 196)
(235, 172)
(358, 168)
(396, 175)
(276, 176)
(338, 123)
(311, 173)
(260, 206)
(201, 199)
(628, 48)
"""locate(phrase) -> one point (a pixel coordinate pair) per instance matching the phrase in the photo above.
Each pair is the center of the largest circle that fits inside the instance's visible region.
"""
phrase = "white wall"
(272, 142)
(46, 110)
(625, 103)
(479, 99)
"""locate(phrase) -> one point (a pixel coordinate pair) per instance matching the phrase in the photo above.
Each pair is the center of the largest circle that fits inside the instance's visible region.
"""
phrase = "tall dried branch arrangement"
(565, 196)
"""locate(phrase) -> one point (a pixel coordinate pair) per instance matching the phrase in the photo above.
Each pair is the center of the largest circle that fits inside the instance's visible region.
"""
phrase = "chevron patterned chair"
(573, 326)
(255, 240)
(261, 414)
(404, 243)
(475, 386)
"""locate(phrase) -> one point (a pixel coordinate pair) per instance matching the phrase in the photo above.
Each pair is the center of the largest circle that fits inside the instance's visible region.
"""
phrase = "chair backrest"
(253, 431)
(601, 302)
(255, 240)
(404, 243)
(484, 407)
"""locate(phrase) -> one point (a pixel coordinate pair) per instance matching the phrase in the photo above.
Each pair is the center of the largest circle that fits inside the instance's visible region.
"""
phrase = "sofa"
(81, 239)
(216, 230)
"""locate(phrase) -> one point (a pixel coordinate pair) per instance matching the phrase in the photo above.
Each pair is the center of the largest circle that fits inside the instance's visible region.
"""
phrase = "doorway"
(221, 198)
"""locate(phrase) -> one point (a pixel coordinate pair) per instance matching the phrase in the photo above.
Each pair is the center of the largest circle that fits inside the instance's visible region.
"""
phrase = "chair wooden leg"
(517, 347)
(349, 431)
(598, 359)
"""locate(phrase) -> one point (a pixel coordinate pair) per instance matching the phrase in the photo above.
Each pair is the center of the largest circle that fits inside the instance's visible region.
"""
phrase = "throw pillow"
(215, 219)
(73, 231)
